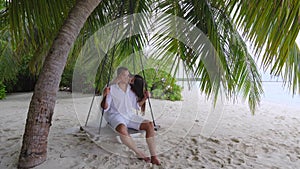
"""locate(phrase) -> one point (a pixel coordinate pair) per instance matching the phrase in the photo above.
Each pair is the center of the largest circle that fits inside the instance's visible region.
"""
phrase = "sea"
(276, 92)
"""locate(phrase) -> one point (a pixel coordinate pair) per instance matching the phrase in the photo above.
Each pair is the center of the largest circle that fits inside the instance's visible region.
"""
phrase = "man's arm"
(104, 103)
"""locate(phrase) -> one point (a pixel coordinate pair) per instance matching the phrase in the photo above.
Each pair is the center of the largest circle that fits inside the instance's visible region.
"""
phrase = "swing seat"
(107, 132)
(134, 131)
(131, 131)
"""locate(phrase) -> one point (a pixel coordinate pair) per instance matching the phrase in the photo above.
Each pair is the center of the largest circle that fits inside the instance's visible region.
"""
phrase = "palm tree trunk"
(41, 109)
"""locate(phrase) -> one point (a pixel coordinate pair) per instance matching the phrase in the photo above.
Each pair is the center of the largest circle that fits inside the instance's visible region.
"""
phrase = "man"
(118, 102)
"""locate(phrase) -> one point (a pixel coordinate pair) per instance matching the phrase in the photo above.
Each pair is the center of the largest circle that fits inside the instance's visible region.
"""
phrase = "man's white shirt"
(120, 102)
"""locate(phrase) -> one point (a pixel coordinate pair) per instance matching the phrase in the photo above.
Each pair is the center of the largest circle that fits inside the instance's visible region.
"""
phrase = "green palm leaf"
(272, 28)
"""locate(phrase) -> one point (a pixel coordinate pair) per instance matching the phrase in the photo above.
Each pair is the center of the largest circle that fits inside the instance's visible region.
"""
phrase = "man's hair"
(121, 69)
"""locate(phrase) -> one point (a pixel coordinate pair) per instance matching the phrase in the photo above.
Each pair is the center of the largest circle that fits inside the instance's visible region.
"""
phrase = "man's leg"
(149, 128)
(128, 141)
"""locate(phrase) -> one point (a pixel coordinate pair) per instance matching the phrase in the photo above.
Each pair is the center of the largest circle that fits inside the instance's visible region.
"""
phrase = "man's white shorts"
(131, 121)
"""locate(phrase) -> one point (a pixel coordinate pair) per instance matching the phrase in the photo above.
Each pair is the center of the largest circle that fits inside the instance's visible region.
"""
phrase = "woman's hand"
(146, 95)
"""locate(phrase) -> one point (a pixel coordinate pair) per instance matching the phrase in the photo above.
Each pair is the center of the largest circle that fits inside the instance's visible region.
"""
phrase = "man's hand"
(106, 91)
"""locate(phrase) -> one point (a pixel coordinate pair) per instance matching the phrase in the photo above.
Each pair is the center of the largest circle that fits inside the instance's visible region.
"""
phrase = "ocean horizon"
(275, 92)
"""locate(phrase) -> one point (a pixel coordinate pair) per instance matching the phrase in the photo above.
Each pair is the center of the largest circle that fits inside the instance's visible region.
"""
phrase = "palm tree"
(50, 33)
(34, 147)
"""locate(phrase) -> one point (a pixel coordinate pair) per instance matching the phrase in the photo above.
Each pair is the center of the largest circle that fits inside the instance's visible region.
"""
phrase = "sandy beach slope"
(237, 139)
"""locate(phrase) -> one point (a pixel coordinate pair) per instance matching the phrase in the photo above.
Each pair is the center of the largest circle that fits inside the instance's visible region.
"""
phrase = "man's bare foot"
(146, 159)
(154, 160)
(142, 156)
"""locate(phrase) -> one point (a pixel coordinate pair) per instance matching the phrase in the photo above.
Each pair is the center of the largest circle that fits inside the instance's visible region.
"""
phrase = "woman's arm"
(143, 100)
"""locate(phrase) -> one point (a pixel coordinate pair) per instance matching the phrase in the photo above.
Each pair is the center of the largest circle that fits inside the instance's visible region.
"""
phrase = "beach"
(191, 135)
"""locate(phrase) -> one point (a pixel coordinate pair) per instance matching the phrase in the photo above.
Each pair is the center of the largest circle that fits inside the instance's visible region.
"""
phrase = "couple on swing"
(119, 99)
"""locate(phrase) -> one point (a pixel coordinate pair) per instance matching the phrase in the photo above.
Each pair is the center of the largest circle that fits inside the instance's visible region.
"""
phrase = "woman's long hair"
(138, 88)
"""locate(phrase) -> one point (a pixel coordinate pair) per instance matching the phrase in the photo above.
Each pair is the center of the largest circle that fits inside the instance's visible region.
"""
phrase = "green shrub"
(2, 91)
(23, 80)
(162, 85)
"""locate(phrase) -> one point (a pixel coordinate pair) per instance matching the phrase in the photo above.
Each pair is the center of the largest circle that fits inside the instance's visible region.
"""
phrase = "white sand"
(237, 139)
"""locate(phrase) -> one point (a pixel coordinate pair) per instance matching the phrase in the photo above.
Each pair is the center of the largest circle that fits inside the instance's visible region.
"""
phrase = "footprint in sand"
(295, 119)
(214, 140)
(297, 150)
(280, 118)
(250, 152)
(194, 140)
(235, 140)
(292, 157)
(242, 147)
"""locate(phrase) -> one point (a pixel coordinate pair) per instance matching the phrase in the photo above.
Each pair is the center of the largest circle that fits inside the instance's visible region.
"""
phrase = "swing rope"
(143, 72)
(108, 80)
(98, 81)
(101, 71)
(146, 88)
(110, 69)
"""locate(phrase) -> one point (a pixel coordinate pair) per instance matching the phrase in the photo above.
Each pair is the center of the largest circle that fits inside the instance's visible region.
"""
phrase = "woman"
(137, 86)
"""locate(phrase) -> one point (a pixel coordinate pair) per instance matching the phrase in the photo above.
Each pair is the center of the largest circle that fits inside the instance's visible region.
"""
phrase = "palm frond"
(34, 25)
(291, 70)
(244, 75)
(9, 62)
(235, 69)
(272, 28)
(107, 12)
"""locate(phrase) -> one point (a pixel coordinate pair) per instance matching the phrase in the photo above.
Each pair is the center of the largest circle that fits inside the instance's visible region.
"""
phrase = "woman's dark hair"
(138, 88)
